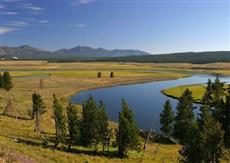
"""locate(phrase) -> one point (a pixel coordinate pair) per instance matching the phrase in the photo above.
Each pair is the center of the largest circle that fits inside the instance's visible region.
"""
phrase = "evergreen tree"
(73, 120)
(213, 147)
(217, 90)
(226, 120)
(1, 81)
(192, 150)
(99, 74)
(184, 117)
(60, 120)
(204, 116)
(101, 124)
(111, 74)
(205, 141)
(166, 119)
(128, 132)
(38, 110)
(88, 123)
(215, 142)
(207, 98)
(7, 81)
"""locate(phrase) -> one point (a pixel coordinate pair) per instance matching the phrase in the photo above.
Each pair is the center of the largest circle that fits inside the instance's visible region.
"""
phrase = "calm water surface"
(146, 100)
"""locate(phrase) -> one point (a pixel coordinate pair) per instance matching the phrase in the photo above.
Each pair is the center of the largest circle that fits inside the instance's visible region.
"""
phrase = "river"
(145, 100)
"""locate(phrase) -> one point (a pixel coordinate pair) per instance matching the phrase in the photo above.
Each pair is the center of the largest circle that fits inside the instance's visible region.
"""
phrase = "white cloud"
(82, 25)
(79, 2)
(9, 13)
(30, 6)
(18, 24)
(43, 21)
(4, 30)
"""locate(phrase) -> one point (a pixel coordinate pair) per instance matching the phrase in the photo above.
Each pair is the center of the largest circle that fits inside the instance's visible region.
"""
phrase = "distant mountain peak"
(100, 52)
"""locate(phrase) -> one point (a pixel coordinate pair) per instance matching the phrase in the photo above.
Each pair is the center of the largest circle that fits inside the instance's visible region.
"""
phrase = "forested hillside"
(188, 57)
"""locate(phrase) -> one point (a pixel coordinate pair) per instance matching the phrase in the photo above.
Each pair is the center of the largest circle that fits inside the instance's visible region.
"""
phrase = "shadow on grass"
(16, 117)
(109, 154)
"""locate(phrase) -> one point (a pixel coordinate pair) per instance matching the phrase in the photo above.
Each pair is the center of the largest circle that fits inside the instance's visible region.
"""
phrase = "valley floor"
(17, 138)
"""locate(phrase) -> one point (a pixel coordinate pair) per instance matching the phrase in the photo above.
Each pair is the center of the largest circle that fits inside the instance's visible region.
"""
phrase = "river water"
(145, 100)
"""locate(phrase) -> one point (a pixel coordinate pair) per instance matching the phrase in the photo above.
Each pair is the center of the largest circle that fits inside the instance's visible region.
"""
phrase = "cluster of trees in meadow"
(6, 81)
(203, 137)
(88, 127)
(111, 75)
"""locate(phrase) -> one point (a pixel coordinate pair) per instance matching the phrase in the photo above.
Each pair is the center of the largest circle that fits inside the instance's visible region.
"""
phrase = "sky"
(155, 26)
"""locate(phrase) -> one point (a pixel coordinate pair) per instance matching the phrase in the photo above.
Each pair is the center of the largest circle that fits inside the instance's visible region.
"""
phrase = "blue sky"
(156, 26)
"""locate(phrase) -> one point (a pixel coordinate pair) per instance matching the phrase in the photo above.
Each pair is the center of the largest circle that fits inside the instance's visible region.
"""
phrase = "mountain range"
(84, 53)
(76, 53)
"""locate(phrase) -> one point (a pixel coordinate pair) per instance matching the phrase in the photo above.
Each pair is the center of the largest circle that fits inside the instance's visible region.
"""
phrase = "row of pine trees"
(203, 137)
(89, 127)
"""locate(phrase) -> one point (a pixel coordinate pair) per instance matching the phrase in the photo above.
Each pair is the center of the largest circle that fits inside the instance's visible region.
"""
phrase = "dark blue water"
(146, 100)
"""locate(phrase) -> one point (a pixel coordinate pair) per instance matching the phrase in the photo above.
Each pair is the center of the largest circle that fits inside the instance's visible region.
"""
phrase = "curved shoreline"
(177, 98)
(126, 83)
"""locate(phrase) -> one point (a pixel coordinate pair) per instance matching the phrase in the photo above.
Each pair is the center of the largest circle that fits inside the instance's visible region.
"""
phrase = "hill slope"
(188, 57)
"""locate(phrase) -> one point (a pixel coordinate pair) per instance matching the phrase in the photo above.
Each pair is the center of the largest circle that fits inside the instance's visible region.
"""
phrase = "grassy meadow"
(197, 90)
(66, 79)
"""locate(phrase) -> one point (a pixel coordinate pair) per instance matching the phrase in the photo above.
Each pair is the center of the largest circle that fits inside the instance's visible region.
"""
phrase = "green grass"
(198, 91)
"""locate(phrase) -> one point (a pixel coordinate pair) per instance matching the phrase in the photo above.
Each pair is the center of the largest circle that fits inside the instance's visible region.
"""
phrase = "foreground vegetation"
(17, 135)
(205, 137)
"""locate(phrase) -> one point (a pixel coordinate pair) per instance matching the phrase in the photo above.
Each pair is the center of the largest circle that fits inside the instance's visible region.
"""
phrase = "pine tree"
(101, 125)
(205, 141)
(214, 141)
(60, 121)
(217, 90)
(38, 110)
(213, 136)
(1, 81)
(207, 98)
(193, 150)
(7, 81)
(73, 120)
(128, 132)
(88, 123)
(204, 116)
(99, 75)
(166, 119)
(184, 117)
(111, 74)
(226, 120)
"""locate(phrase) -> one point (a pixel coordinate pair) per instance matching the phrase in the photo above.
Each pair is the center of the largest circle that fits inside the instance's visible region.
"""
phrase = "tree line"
(89, 127)
(203, 137)
(183, 57)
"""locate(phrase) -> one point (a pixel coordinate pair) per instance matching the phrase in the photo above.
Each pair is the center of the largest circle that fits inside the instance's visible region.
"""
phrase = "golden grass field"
(66, 79)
